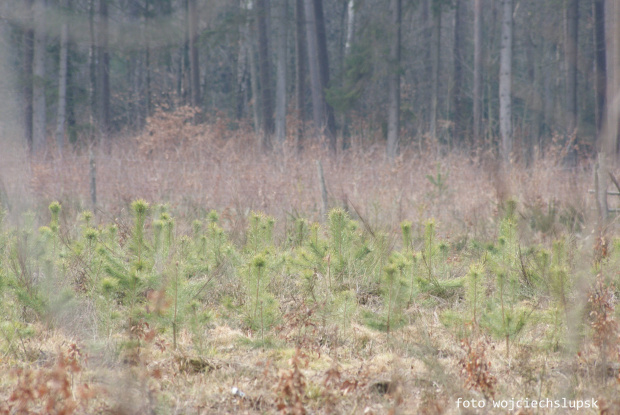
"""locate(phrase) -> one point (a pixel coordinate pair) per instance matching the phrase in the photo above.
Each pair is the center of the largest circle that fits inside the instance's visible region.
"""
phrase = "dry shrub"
(166, 133)
(291, 387)
(609, 407)
(431, 404)
(301, 327)
(605, 327)
(137, 389)
(51, 390)
(477, 369)
(338, 384)
(142, 336)
(601, 249)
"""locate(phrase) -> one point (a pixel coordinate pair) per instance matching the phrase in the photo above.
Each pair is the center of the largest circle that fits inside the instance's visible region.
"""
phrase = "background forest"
(458, 73)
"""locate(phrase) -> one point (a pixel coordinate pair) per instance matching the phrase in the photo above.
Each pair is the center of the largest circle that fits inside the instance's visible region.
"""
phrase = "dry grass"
(198, 168)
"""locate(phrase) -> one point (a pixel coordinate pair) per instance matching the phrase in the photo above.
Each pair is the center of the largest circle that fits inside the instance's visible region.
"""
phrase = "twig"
(359, 215)
(613, 179)
(324, 205)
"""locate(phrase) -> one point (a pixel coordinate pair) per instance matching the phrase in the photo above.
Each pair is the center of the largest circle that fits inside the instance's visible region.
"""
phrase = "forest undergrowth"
(209, 279)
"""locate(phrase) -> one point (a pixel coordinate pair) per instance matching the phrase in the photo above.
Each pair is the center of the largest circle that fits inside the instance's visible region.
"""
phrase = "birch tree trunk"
(505, 82)
(348, 41)
(477, 72)
(38, 91)
(350, 27)
(281, 23)
(62, 81)
(393, 135)
(247, 44)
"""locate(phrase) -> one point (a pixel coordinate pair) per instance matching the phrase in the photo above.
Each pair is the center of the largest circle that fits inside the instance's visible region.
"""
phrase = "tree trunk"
(193, 53)
(572, 7)
(247, 43)
(350, 27)
(256, 109)
(147, 60)
(505, 82)
(323, 61)
(316, 89)
(600, 62)
(489, 81)
(610, 147)
(608, 140)
(38, 90)
(103, 72)
(549, 97)
(427, 58)
(242, 66)
(135, 69)
(436, 58)
(477, 72)
(62, 81)
(28, 74)
(71, 121)
(458, 118)
(92, 62)
(184, 73)
(536, 97)
(348, 42)
(281, 19)
(254, 84)
(264, 71)
(393, 135)
(300, 63)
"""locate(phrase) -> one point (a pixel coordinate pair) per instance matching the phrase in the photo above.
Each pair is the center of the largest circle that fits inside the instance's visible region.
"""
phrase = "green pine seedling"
(475, 294)
(439, 181)
(54, 208)
(346, 306)
(509, 319)
(338, 221)
(430, 252)
(433, 263)
(140, 210)
(260, 232)
(258, 264)
(394, 290)
(405, 228)
(301, 231)
(559, 279)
